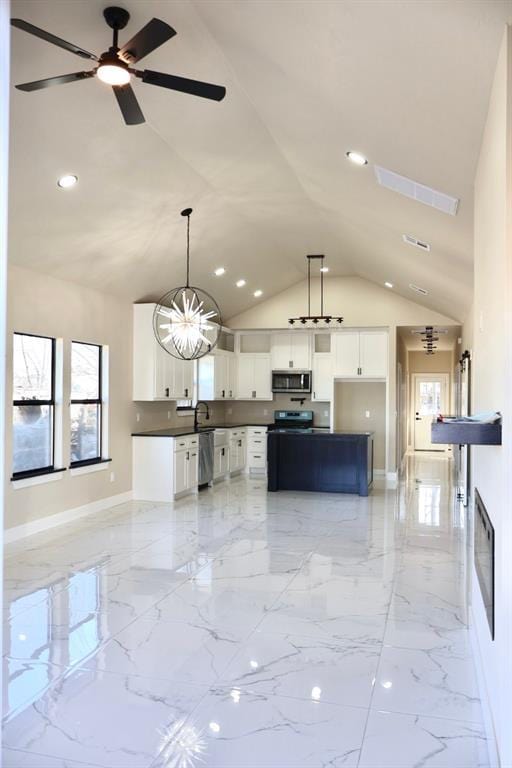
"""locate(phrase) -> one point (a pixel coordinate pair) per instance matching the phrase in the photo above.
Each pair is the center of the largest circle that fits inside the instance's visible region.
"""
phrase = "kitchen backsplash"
(161, 415)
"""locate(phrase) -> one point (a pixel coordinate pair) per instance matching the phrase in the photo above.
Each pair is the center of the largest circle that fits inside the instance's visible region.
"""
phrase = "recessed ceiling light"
(324, 269)
(356, 157)
(388, 285)
(240, 283)
(258, 293)
(67, 181)
(220, 271)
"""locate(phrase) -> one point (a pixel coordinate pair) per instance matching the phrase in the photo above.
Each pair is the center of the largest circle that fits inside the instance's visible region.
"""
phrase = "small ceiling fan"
(114, 66)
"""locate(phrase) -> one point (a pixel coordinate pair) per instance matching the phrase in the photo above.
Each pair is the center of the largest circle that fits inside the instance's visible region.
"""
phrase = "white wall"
(492, 382)
(4, 163)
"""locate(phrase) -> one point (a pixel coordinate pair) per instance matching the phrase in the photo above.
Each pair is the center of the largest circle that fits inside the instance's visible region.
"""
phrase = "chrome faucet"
(196, 413)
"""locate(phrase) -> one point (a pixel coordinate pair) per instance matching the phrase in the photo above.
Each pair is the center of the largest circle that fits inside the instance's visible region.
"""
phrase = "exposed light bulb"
(215, 727)
(324, 269)
(113, 74)
(187, 324)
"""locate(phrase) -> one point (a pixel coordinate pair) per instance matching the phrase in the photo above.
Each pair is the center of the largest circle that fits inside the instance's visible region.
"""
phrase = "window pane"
(85, 371)
(85, 432)
(32, 437)
(32, 367)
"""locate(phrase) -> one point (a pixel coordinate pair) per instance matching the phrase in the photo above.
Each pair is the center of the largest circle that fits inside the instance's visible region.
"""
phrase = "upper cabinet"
(156, 374)
(361, 354)
(217, 376)
(254, 377)
(291, 350)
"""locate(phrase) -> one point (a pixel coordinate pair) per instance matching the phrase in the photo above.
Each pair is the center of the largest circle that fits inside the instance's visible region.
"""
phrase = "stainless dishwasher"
(205, 458)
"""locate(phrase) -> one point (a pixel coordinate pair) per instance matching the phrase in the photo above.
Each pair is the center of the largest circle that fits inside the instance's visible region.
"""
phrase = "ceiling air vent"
(416, 191)
(418, 289)
(410, 240)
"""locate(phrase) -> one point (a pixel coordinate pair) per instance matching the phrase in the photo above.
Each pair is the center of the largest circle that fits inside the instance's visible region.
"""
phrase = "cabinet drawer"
(192, 441)
(257, 459)
(180, 444)
(257, 431)
(258, 444)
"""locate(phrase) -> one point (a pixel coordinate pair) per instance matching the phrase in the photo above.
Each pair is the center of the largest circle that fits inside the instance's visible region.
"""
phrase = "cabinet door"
(220, 376)
(193, 467)
(323, 374)
(180, 471)
(231, 376)
(242, 453)
(373, 359)
(217, 461)
(347, 354)
(281, 354)
(262, 378)
(224, 460)
(164, 374)
(300, 350)
(188, 379)
(245, 377)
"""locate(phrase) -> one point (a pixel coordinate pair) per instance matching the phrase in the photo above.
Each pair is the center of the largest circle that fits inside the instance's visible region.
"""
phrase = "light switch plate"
(367, 414)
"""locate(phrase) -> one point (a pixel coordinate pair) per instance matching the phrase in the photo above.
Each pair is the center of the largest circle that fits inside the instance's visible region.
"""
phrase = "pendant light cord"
(186, 212)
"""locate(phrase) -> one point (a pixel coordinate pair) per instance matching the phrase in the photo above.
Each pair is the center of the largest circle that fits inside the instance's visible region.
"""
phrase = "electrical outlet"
(169, 415)
(367, 414)
(138, 417)
(112, 477)
(265, 411)
(326, 413)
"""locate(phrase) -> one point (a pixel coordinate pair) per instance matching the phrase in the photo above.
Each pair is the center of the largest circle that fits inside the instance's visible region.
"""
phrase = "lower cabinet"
(257, 450)
(220, 461)
(237, 450)
(164, 467)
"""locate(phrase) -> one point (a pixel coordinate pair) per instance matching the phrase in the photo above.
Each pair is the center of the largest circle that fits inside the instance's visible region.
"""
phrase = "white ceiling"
(407, 83)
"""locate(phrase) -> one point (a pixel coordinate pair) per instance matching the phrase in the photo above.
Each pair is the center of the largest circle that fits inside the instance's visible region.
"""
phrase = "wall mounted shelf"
(466, 433)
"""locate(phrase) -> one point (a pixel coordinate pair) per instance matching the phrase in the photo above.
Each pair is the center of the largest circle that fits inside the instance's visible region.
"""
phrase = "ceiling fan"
(114, 66)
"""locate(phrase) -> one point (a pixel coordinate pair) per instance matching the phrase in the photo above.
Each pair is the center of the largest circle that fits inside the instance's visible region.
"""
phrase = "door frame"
(412, 412)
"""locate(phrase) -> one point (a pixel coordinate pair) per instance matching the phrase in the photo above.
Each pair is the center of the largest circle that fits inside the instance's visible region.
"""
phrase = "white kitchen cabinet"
(291, 350)
(237, 450)
(217, 376)
(220, 461)
(156, 374)
(254, 377)
(164, 468)
(373, 354)
(361, 354)
(323, 376)
(256, 449)
(346, 349)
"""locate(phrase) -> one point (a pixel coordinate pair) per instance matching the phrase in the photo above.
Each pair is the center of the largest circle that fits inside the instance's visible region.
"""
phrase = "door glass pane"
(85, 371)
(32, 437)
(430, 398)
(32, 368)
(85, 432)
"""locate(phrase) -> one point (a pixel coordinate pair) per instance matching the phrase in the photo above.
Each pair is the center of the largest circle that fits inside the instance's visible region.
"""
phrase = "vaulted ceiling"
(406, 83)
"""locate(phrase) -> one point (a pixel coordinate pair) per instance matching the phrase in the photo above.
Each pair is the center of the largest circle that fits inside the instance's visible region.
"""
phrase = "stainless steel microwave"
(291, 381)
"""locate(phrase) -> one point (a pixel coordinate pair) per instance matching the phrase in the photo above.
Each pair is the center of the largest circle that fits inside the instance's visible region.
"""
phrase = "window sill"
(37, 479)
(94, 466)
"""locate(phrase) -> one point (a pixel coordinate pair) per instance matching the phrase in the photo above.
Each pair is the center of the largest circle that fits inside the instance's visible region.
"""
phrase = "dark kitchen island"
(323, 460)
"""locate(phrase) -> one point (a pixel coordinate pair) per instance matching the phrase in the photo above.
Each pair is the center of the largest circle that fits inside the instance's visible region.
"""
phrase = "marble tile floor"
(240, 629)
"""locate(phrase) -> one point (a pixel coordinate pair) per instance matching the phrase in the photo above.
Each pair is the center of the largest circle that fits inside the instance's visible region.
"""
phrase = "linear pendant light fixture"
(321, 318)
(187, 320)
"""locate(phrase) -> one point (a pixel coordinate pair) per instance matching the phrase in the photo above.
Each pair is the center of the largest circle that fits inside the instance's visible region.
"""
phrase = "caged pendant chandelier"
(187, 320)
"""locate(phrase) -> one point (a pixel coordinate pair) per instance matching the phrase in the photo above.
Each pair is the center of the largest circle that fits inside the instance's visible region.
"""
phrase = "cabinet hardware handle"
(194, 454)
(222, 451)
(256, 456)
(290, 363)
(223, 393)
(254, 393)
(188, 455)
(186, 392)
(167, 391)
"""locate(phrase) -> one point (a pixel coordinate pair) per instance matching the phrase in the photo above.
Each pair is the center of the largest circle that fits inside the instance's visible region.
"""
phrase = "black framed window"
(86, 403)
(33, 404)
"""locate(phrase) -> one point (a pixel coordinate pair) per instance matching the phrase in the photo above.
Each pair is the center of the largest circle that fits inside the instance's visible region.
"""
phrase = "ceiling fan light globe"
(112, 74)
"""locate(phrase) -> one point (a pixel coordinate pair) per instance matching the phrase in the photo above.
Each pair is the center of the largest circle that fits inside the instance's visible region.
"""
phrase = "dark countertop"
(182, 431)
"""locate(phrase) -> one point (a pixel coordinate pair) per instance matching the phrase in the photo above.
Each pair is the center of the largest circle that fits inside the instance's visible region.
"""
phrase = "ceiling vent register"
(410, 240)
(417, 288)
(416, 191)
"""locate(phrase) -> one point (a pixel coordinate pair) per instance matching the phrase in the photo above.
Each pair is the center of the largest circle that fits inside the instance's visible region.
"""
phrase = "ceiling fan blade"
(128, 104)
(183, 84)
(146, 40)
(37, 85)
(32, 30)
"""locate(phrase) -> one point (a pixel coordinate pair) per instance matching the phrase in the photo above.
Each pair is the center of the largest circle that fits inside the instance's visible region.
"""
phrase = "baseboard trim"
(494, 758)
(68, 516)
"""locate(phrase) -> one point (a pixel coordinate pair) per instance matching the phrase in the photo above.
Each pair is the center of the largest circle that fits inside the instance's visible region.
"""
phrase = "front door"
(430, 399)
